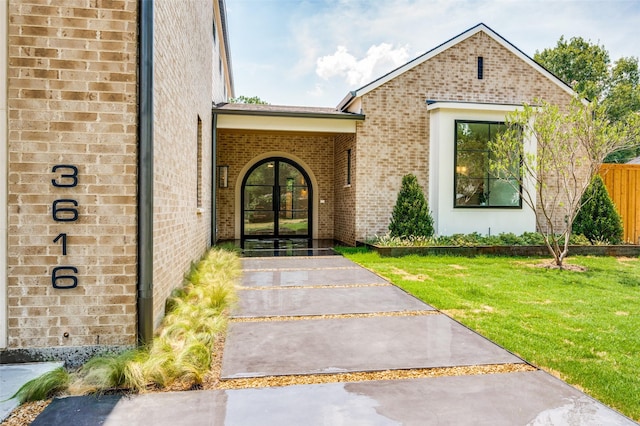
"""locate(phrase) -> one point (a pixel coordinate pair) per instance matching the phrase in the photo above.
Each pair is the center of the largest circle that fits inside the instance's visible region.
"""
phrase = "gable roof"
(444, 46)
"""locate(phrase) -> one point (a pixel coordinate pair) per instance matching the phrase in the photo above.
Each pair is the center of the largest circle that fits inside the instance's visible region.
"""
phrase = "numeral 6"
(61, 273)
(61, 213)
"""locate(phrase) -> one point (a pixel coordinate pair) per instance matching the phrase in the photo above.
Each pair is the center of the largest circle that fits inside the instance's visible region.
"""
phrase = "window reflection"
(475, 185)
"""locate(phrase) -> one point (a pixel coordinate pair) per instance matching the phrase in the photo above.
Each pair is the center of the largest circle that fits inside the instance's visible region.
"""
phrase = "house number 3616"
(64, 210)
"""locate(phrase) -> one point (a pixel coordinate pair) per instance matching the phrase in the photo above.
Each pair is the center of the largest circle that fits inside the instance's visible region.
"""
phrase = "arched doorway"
(276, 200)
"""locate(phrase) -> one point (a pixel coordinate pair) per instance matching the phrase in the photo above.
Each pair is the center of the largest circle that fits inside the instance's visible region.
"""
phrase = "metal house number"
(64, 210)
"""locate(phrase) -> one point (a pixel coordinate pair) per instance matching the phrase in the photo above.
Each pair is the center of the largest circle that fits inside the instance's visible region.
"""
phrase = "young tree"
(570, 145)
(583, 65)
(248, 100)
(411, 216)
(588, 69)
(598, 219)
(622, 99)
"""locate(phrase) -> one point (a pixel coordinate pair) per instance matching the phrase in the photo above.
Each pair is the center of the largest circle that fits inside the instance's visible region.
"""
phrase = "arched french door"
(276, 200)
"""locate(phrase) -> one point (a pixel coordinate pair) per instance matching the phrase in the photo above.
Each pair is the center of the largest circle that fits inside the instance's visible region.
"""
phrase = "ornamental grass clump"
(43, 387)
(180, 354)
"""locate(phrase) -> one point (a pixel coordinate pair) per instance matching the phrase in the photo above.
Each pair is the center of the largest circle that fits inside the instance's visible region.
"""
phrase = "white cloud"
(317, 91)
(378, 60)
(295, 59)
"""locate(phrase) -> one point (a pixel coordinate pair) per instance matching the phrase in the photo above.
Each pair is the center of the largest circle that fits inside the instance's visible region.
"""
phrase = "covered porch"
(284, 173)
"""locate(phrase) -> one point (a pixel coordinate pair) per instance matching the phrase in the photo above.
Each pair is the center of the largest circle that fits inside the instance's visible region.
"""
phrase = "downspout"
(145, 172)
(214, 176)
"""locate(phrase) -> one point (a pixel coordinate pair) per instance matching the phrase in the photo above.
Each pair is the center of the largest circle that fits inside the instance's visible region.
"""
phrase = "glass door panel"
(259, 209)
(294, 203)
(276, 201)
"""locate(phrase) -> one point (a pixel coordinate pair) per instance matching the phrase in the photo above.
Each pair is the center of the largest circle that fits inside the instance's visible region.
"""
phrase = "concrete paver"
(325, 301)
(194, 408)
(354, 344)
(318, 262)
(310, 277)
(526, 398)
(529, 398)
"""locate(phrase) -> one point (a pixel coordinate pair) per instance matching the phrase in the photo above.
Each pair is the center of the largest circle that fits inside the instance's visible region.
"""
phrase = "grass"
(582, 326)
(180, 353)
(42, 387)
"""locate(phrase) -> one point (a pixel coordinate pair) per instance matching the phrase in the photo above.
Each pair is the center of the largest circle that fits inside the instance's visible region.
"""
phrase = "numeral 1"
(62, 237)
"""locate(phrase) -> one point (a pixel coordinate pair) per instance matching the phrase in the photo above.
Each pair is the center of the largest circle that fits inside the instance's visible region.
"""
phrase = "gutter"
(214, 176)
(225, 34)
(338, 116)
(145, 172)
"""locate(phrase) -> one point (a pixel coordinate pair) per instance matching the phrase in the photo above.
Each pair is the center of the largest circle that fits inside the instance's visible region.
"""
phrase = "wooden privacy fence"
(623, 183)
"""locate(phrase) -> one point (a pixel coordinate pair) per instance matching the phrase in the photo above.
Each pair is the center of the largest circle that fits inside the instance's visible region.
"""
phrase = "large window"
(475, 185)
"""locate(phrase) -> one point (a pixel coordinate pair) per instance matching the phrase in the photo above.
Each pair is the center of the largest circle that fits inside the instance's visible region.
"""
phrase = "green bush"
(411, 216)
(471, 240)
(598, 219)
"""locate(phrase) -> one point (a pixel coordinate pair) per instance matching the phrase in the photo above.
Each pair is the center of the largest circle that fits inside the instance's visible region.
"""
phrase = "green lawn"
(582, 326)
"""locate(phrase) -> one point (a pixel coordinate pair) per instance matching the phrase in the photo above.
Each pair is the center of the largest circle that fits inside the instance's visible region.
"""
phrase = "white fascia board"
(471, 106)
(286, 124)
(446, 45)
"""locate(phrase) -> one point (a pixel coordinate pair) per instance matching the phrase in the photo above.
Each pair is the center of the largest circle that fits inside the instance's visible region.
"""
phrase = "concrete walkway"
(370, 349)
(13, 376)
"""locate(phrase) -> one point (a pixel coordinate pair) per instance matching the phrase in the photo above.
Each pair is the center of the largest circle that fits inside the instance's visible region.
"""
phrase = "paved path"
(13, 376)
(370, 349)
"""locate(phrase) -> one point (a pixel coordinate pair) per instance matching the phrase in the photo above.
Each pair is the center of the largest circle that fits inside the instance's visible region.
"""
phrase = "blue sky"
(313, 52)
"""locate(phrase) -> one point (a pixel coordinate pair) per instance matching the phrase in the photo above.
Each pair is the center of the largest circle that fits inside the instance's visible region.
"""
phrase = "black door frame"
(276, 235)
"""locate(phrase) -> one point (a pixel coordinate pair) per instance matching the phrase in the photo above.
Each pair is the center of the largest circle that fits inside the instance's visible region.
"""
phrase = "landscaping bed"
(501, 250)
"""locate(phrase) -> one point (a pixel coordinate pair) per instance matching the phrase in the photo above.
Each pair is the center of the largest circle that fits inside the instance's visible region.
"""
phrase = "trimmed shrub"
(411, 216)
(598, 219)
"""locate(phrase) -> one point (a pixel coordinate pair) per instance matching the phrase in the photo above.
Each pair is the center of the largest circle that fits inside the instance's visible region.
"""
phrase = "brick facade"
(239, 150)
(72, 101)
(345, 192)
(394, 138)
(183, 48)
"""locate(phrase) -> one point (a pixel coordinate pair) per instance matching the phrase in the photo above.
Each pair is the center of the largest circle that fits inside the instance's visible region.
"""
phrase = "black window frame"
(488, 174)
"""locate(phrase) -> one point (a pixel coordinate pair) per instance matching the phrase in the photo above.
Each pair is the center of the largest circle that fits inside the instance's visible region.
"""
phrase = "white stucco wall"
(449, 220)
